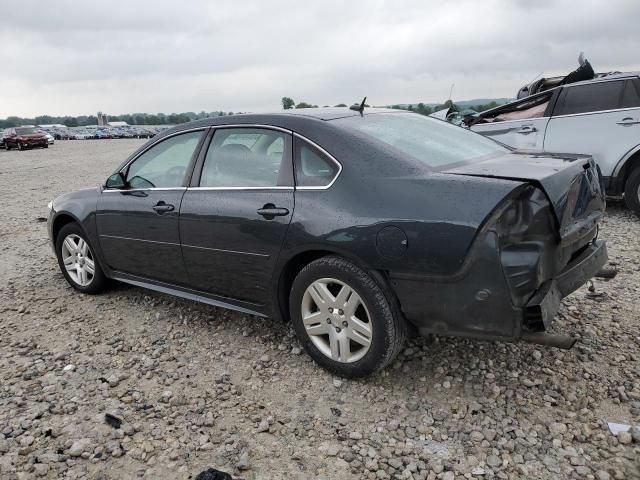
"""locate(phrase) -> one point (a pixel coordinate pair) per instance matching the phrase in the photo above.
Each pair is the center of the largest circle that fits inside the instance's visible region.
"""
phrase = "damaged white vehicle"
(599, 116)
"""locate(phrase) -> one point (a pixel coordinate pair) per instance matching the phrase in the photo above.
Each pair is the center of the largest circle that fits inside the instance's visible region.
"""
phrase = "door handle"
(526, 130)
(269, 211)
(162, 207)
(625, 122)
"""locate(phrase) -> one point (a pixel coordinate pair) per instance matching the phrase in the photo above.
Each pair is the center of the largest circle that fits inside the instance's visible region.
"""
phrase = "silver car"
(599, 117)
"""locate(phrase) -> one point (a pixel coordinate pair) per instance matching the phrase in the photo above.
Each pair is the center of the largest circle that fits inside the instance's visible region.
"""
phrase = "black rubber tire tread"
(389, 328)
(631, 191)
(100, 281)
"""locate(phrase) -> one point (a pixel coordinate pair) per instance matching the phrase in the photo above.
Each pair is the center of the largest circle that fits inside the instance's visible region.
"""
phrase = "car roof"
(331, 113)
(296, 120)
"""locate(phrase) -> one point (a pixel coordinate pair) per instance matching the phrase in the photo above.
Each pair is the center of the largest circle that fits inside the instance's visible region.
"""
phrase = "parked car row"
(31, 136)
(92, 132)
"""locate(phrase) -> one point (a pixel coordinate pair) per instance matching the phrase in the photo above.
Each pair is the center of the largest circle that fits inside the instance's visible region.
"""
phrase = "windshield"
(432, 142)
(25, 130)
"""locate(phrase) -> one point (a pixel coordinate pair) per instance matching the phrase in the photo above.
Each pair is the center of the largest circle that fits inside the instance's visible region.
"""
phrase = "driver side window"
(164, 165)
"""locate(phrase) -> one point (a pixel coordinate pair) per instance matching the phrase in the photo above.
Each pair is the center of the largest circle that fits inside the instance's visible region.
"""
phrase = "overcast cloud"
(76, 58)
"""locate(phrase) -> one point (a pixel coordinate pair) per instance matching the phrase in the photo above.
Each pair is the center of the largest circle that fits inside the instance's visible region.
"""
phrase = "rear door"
(235, 215)
(600, 118)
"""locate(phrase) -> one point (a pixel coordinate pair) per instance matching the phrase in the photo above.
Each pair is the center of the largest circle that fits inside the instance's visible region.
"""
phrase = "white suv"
(599, 117)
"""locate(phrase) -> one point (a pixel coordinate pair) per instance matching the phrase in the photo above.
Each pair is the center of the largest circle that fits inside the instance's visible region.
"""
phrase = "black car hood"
(572, 183)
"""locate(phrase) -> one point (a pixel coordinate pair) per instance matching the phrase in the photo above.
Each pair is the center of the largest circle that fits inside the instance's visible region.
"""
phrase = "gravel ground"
(197, 387)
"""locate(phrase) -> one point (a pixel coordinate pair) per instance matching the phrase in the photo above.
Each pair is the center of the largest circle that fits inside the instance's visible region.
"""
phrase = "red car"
(24, 137)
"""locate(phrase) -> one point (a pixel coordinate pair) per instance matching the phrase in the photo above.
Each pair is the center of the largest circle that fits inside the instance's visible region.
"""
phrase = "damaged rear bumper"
(477, 303)
(544, 305)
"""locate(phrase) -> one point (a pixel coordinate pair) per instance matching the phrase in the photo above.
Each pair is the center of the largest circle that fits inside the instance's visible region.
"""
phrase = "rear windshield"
(430, 141)
(25, 130)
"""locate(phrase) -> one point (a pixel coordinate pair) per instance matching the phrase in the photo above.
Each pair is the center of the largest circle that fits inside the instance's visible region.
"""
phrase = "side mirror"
(116, 181)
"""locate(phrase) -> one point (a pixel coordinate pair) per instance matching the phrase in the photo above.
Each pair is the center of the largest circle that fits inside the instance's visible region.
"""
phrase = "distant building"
(103, 119)
(52, 125)
(117, 124)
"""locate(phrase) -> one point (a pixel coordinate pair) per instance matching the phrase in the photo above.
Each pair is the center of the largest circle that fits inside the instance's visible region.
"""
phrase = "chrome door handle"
(625, 122)
(162, 207)
(526, 130)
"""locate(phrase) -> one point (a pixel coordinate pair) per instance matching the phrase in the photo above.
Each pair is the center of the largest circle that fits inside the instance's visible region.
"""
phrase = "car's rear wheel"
(344, 319)
(632, 191)
(77, 260)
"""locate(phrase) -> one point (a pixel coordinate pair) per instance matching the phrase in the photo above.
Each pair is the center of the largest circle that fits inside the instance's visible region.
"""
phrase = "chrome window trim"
(236, 125)
(596, 112)
(240, 188)
(252, 125)
(328, 155)
(111, 190)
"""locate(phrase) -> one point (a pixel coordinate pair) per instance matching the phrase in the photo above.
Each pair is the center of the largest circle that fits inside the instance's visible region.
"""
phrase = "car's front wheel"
(344, 319)
(77, 260)
(632, 191)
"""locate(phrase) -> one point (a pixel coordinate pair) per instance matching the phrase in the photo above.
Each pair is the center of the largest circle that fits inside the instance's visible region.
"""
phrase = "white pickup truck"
(599, 117)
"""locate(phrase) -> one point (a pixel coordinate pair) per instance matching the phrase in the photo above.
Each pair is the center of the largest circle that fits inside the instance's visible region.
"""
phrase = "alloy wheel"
(78, 260)
(336, 320)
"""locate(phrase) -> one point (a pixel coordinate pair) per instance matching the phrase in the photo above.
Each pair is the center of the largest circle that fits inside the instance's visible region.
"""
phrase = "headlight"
(50, 205)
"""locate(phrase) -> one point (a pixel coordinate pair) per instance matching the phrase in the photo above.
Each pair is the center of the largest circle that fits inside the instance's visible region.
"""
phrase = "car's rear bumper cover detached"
(476, 303)
(544, 305)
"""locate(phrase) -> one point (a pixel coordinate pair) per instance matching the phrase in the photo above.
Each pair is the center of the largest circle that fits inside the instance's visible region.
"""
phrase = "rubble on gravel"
(192, 387)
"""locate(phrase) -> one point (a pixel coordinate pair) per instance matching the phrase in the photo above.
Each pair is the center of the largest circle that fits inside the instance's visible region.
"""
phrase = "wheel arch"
(62, 219)
(623, 169)
(298, 261)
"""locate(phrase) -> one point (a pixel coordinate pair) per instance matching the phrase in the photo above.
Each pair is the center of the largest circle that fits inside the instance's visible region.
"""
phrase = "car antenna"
(358, 108)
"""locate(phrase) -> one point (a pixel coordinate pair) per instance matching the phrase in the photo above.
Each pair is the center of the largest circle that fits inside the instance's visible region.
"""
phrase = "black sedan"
(361, 228)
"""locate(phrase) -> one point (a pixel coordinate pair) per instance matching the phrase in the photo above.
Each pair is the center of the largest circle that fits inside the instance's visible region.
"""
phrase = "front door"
(138, 225)
(235, 216)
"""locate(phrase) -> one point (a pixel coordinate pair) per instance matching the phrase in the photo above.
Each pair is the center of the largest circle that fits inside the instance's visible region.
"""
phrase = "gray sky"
(76, 58)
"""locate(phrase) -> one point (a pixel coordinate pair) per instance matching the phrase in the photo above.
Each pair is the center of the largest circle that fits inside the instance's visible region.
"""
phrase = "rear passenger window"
(631, 95)
(247, 157)
(593, 97)
(313, 167)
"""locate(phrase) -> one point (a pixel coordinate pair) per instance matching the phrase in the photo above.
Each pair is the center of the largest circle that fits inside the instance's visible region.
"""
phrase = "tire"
(74, 233)
(632, 191)
(379, 319)
(6, 145)
(46, 146)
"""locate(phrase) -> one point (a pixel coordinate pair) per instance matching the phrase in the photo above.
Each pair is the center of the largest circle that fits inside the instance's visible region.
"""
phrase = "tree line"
(176, 118)
(130, 118)
(421, 108)
(288, 103)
